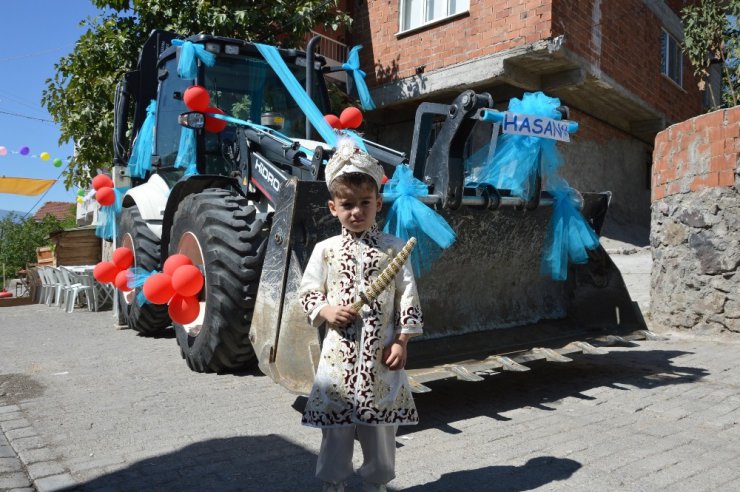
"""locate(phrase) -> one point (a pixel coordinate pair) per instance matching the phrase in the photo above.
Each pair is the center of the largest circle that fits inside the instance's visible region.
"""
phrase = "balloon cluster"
(104, 193)
(26, 151)
(116, 271)
(350, 118)
(178, 286)
(196, 98)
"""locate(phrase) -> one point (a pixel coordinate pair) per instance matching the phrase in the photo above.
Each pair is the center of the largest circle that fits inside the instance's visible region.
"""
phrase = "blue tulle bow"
(187, 68)
(569, 237)
(136, 278)
(141, 155)
(298, 93)
(518, 158)
(353, 65)
(106, 228)
(409, 217)
(186, 152)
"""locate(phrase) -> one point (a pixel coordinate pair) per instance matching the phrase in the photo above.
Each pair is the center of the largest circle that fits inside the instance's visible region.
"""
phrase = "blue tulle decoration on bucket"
(141, 155)
(187, 68)
(517, 159)
(352, 65)
(106, 228)
(186, 151)
(409, 217)
(136, 278)
(569, 237)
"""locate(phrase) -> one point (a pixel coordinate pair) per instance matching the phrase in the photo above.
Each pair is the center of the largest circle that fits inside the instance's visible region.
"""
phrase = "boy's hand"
(394, 355)
(337, 316)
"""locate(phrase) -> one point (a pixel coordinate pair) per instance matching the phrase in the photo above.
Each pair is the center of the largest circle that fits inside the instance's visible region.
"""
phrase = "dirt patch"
(19, 387)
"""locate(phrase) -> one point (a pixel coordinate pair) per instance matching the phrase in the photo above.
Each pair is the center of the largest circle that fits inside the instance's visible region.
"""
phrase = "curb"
(44, 472)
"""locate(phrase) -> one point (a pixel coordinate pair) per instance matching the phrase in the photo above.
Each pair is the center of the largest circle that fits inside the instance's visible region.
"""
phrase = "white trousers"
(378, 450)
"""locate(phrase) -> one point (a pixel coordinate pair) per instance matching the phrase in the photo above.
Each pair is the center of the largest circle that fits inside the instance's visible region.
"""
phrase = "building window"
(671, 58)
(416, 13)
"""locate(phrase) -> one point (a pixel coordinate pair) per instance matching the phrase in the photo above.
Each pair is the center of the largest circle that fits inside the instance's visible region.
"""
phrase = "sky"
(34, 35)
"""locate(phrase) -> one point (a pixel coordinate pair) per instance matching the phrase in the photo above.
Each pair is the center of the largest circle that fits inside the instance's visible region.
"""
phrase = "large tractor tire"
(147, 319)
(221, 235)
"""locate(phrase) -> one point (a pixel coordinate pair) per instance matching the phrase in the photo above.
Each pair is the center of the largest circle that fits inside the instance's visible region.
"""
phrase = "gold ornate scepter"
(385, 277)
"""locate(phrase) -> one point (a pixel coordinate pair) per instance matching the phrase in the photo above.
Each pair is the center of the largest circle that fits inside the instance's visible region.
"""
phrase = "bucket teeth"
(550, 355)
(417, 387)
(464, 374)
(510, 365)
(587, 348)
(619, 341)
(649, 335)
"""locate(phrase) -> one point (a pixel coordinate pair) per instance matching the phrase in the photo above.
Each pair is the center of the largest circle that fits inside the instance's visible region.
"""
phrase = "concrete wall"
(695, 233)
(602, 158)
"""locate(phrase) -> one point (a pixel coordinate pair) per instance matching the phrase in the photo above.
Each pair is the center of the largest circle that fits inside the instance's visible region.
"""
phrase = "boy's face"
(355, 207)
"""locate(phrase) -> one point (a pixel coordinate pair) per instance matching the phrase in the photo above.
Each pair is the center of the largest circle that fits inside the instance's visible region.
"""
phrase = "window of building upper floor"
(671, 58)
(417, 13)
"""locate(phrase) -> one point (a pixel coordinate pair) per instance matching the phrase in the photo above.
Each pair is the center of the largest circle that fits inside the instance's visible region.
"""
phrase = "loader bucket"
(486, 305)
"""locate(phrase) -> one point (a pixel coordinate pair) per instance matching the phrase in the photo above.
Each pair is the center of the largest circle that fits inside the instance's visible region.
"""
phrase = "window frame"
(667, 56)
(424, 24)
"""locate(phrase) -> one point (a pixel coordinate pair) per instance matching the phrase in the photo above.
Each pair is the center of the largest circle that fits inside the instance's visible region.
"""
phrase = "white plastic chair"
(48, 285)
(74, 288)
(57, 287)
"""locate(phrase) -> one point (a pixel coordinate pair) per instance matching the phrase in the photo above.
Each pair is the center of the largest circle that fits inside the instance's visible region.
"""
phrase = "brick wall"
(622, 39)
(697, 153)
(492, 26)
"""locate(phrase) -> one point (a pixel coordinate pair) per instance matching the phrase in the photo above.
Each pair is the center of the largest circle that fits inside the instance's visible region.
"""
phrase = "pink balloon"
(3, 151)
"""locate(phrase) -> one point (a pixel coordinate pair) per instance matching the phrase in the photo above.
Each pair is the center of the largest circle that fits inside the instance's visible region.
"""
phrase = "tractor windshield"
(242, 87)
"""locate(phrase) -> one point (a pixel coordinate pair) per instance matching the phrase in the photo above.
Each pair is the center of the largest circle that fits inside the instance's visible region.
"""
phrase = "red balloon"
(183, 310)
(158, 288)
(102, 181)
(333, 121)
(196, 98)
(351, 117)
(105, 196)
(121, 281)
(187, 280)
(214, 125)
(105, 272)
(174, 262)
(123, 258)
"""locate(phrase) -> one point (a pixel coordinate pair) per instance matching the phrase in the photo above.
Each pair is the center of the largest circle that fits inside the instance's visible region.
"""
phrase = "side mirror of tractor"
(192, 119)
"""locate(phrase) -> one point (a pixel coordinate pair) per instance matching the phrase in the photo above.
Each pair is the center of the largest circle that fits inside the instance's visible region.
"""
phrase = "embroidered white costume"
(352, 384)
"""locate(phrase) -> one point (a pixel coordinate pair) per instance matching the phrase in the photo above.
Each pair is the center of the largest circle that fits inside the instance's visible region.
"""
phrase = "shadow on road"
(265, 463)
(548, 382)
(535, 473)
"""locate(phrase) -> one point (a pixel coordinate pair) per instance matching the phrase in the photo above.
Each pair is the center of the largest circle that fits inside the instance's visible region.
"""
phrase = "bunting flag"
(25, 186)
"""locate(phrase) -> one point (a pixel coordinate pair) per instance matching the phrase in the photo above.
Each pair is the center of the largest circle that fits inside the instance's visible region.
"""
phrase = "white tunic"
(352, 384)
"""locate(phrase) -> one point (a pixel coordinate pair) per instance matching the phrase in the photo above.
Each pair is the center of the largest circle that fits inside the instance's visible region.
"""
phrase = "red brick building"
(616, 64)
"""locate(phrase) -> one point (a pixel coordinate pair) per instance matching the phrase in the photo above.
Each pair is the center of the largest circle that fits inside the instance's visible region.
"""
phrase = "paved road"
(84, 405)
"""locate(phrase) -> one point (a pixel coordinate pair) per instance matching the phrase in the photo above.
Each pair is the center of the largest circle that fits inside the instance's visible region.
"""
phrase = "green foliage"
(80, 95)
(712, 33)
(19, 240)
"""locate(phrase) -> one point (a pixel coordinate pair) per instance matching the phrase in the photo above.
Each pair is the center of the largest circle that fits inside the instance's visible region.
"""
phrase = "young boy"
(360, 387)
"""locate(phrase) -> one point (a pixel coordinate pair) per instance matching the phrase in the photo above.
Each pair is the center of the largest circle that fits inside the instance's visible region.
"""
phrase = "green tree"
(19, 239)
(712, 34)
(80, 95)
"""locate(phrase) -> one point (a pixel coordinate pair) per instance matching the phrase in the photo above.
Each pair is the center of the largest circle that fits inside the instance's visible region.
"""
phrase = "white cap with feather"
(348, 158)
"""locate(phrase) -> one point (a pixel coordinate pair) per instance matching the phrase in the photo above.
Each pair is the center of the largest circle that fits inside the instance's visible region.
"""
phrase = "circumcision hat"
(348, 158)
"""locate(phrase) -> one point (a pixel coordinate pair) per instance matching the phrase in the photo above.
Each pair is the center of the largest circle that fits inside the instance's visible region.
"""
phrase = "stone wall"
(695, 224)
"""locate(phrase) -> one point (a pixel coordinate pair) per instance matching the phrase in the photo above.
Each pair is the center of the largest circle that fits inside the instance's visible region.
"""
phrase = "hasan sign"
(535, 126)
